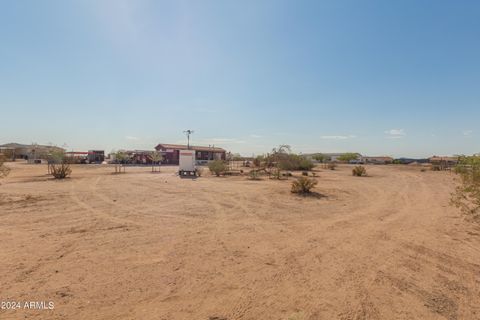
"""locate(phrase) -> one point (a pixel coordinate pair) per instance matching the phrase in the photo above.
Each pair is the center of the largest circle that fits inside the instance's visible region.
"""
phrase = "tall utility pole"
(188, 133)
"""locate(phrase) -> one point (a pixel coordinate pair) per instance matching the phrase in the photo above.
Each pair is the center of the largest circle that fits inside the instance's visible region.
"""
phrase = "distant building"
(29, 151)
(410, 161)
(377, 160)
(443, 163)
(171, 153)
(96, 156)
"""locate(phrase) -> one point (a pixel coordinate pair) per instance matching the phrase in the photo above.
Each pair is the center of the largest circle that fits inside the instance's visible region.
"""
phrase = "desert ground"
(142, 245)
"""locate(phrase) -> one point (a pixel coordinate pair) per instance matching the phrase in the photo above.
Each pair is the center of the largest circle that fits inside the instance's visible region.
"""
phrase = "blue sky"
(398, 78)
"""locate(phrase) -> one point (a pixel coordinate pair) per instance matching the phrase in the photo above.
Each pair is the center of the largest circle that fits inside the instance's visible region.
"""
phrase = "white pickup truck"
(187, 163)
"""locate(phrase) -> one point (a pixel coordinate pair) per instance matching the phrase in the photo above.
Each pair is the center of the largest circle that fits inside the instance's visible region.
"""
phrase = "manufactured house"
(203, 154)
(377, 160)
(96, 156)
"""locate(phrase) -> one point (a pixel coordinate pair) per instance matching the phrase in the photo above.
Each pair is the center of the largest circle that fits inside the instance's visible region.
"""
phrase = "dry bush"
(199, 172)
(60, 171)
(218, 167)
(359, 171)
(331, 165)
(303, 185)
(4, 170)
(59, 165)
(467, 194)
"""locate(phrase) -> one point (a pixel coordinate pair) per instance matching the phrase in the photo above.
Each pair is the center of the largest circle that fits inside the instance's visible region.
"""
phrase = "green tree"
(156, 159)
(347, 157)
(121, 158)
(320, 157)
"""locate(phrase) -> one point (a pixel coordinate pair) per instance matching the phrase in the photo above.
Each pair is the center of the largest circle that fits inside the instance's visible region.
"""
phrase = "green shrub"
(217, 167)
(294, 162)
(305, 164)
(303, 185)
(359, 171)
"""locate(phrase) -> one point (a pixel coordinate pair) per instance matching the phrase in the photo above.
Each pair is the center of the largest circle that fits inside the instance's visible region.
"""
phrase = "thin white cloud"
(132, 138)
(256, 136)
(222, 141)
(467, 133)
(395, 133)
(338, 137)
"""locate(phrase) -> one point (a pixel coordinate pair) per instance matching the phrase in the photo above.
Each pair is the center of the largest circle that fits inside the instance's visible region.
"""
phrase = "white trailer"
(187, 163)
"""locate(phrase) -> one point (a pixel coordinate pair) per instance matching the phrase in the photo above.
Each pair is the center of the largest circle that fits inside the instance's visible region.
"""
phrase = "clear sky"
(398, 78)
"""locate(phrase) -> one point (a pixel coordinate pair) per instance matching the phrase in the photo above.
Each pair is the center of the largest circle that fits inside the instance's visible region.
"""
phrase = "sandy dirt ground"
(153, 246)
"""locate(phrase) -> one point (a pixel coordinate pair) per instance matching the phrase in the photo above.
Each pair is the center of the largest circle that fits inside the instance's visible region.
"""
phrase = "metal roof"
(184, 147)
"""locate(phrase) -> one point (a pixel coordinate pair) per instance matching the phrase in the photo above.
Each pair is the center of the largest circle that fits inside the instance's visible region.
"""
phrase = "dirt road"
(153, 246)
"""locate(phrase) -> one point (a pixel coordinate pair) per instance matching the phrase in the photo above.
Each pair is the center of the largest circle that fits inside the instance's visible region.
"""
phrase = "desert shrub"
(217, 167)
(293, 162)
(359, 171)
(304, 173)
(60, 171)
(305, 164)
(276, 174)
(303, 185)
(332, 165)
(4, 170)
(59, 165)
(467, 194)
(199, 171)
(254, 175)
